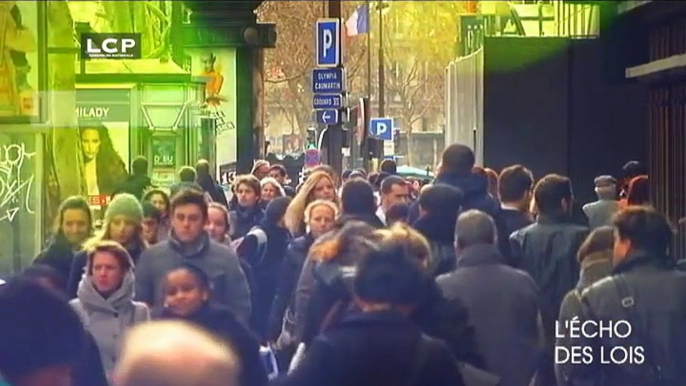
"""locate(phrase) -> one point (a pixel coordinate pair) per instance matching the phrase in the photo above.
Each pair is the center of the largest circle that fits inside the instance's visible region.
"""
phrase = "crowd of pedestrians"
(475, 278)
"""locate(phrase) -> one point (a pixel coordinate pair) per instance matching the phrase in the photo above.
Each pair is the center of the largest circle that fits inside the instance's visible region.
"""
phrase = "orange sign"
(101, 200)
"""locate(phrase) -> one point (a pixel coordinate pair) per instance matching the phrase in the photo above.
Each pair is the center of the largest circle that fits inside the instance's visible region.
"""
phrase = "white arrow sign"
(327, 116)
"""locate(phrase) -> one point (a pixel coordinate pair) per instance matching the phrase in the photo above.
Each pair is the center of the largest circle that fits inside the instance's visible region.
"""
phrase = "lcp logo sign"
(110, 46)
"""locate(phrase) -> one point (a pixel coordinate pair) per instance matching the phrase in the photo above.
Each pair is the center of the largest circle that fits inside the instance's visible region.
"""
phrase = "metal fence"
(464, 102)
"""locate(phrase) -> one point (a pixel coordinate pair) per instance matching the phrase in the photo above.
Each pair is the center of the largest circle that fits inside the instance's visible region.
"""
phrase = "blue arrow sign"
(320, 102)
(328, 81)
(381, 128)
(329, 43)
(328, 117)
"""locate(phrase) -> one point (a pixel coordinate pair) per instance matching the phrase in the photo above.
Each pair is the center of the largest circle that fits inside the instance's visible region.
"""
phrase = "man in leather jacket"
(546, 250)
(645, 292)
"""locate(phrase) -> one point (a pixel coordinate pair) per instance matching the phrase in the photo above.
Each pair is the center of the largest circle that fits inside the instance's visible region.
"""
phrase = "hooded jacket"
(474, 188)
(78, 267)
(108, 319)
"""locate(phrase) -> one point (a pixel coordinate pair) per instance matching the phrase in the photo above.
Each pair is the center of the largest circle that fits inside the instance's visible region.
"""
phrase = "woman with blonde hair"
(320, 217)
(271, 189)
(318, 186)
(123, 224)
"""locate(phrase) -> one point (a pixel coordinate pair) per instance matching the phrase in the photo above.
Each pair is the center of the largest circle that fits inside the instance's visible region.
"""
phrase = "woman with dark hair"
(160, 200)
(104, 168)
(73, 225)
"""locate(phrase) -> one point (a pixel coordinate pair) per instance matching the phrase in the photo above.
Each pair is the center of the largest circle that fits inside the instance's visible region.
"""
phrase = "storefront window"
(21, 74)
(217, 68)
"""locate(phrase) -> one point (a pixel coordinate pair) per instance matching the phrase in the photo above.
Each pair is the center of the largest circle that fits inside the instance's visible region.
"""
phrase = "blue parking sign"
(381, 128)
(329, 43)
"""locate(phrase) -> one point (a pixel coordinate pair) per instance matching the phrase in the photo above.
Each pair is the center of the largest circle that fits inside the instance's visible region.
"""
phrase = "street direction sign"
(381, 128)
(329, 43)
(328, 117)
(320, 102)
(328, 81)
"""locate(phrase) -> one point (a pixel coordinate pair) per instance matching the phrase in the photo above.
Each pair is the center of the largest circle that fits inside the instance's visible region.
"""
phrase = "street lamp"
(381, 5)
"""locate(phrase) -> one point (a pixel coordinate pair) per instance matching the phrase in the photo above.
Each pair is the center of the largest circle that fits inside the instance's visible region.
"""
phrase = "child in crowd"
(187, 294)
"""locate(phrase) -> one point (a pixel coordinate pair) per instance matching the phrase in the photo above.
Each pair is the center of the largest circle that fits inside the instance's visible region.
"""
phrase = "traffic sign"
(381, 128)
(328, 117)
(311, 158)
(328, 81)
(329, 42)
(320, 102)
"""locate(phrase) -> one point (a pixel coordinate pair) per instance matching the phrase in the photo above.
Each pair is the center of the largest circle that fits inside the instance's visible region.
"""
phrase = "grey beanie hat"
(124, 204)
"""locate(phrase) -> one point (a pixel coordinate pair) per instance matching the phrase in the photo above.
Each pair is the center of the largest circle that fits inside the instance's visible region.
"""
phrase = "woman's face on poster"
(90, 143)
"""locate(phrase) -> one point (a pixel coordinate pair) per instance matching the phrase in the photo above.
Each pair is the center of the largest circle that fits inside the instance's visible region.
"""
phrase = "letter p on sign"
(328, 41)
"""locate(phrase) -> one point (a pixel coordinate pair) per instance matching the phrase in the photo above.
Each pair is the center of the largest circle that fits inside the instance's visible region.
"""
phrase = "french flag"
(358, 23)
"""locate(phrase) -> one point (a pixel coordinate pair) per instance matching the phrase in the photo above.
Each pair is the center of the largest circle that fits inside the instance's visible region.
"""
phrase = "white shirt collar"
(508, 207)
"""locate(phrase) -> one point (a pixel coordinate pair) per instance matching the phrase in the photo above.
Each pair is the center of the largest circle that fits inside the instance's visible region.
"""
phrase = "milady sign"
(92, 111)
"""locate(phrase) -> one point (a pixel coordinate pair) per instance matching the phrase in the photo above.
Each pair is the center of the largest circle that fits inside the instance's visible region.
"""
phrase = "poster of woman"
(103, 166)
(18, 57)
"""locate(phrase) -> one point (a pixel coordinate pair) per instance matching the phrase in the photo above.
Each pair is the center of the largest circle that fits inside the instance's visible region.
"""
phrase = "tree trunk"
(143, 25)
(119, 14)
(409, 159)
(67, 157)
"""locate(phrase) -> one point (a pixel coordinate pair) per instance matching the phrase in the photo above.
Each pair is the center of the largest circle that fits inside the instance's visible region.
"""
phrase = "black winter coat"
(448, 320)
(265, 264)
(546, 250)
(439, 230)
(242, 220)
(380, 348)
(223, 323)
(89, 372)
(296, 253)
(509, 221)
(59, 255)
(473, 186)
(135, 185)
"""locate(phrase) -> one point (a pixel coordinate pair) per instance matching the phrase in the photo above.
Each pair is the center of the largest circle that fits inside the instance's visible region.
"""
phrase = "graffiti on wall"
(15, 188)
